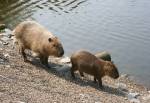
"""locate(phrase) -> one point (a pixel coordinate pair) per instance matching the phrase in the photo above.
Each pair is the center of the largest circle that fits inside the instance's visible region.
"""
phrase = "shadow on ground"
(63, 71)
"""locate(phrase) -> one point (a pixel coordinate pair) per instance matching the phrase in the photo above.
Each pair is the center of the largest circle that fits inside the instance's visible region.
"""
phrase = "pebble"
(5, 43)
(8, 32)
(6, 55)
(7, 66)
(1, 60)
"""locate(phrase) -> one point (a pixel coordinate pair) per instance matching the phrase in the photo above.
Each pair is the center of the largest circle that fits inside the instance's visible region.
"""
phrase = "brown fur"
(31, 35)
(90, 64)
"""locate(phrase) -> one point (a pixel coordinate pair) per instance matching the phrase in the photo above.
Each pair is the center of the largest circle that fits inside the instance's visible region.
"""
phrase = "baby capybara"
(31, 35)
(90, 64)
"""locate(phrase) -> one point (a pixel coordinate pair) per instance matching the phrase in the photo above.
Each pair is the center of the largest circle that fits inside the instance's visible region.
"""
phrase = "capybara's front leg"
(23, 53)
(95, 79)
(44, 60)
(72, 72)
(100, 82)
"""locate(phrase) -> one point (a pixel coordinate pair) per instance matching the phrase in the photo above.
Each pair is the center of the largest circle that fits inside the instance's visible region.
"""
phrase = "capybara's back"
(31, 35)
(84, 61)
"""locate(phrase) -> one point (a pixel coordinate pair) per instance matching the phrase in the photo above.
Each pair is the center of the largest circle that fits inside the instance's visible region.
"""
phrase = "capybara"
(31, 35)
(86, 62)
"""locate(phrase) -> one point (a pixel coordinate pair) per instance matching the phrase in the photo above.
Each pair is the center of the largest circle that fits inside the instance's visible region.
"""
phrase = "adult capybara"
(90, 64)
(31, 35)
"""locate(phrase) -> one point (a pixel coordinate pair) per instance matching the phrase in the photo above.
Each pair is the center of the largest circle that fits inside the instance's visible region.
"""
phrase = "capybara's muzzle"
(116, 76)
(61, 53)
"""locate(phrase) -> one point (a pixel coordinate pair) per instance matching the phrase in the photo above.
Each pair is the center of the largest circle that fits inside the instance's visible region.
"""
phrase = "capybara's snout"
(61, 52)
(116, 74)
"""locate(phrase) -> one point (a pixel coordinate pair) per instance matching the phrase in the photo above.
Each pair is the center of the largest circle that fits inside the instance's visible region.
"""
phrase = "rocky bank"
(22, 82)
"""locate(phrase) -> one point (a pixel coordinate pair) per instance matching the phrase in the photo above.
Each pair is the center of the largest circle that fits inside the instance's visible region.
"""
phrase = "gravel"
(22, 82)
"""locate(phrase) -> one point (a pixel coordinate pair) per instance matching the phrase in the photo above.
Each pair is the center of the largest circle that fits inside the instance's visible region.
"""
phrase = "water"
(121, 27)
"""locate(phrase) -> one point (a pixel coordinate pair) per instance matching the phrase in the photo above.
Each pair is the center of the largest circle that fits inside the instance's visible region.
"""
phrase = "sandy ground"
(22, 82)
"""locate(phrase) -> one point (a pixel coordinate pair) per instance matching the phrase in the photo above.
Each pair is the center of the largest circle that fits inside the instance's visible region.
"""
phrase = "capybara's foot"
(100, 83)
(72, 75)
(81, 73)
(101, 87)
(47, 65)
(95, 80)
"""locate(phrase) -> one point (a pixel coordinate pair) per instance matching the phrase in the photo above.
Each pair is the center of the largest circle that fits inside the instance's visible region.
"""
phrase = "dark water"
(121, 27)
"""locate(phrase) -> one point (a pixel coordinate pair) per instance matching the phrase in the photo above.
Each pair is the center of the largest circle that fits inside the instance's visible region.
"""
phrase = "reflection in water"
(19, 10)
(120, 27)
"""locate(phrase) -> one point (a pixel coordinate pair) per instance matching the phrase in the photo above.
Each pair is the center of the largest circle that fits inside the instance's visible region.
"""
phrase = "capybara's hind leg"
(72, 72)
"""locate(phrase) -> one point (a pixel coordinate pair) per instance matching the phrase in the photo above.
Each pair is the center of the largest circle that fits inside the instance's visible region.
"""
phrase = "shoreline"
(33, 83)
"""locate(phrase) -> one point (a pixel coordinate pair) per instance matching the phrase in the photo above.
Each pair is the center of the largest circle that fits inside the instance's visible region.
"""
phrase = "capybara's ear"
(49, 39)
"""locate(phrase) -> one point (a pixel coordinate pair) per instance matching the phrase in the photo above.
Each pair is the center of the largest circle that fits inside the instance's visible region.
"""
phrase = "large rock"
(103, 55)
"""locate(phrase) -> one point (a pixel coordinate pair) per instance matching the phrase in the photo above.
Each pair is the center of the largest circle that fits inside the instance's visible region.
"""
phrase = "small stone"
(7, 66)
(5, 43)
(8, 32)
(6, 55)
(125, 98)
(1, 60)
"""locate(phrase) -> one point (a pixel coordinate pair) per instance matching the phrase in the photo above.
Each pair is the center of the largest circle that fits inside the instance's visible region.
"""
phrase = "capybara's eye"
(49, 39)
